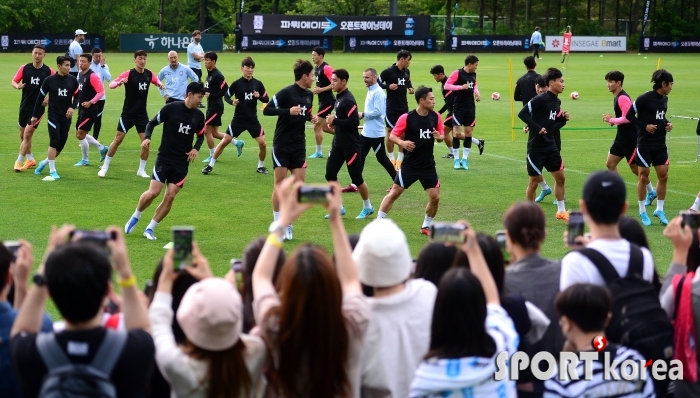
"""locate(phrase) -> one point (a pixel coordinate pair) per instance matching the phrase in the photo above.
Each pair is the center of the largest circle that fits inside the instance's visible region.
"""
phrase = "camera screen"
(182, 247)
(576, 226)
(313, 194)
(447, 232)
(690, 219)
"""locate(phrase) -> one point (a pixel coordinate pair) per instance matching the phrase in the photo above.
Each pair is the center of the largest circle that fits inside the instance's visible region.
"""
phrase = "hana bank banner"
(588, 43)
(165, 42)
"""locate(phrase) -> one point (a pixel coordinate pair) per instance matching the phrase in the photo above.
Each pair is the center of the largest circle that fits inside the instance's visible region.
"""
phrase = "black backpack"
(638, 321)
(73, 380)
(72, 60)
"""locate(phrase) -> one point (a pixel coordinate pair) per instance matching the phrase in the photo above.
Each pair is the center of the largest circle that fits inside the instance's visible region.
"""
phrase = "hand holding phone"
(501, 239)
(313, 193)
(575, 227)
(691, 219)
(182, 247)
(447, 232)
(12, 246)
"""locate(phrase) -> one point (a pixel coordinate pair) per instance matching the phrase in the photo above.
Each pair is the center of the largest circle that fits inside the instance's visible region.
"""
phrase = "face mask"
(197, 40)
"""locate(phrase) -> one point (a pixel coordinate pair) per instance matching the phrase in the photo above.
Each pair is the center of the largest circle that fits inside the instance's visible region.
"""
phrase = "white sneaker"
(288, 234)
(102, 173)
(149, 234)
(143, 174)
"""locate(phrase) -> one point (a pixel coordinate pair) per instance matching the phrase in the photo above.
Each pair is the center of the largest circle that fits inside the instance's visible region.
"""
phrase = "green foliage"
(670, 21)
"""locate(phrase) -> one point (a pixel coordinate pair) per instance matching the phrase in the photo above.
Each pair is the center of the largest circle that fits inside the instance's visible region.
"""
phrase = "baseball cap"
(382, 255)
(210, 314)
(80, 32)
(604, 187)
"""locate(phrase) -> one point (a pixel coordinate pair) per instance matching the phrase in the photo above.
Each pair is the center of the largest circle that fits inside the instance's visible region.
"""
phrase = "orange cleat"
(29, 164)
(563, 215)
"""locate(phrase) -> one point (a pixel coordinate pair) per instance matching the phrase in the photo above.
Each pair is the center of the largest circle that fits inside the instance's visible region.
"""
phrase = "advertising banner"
(587, 43)
(54, 43)
(389, 44)
(285, 43)
(670, 45)
(164, 42)
(488, 43)
(334, 25)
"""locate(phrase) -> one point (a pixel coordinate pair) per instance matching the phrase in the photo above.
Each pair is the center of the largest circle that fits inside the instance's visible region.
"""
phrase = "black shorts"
(449, 122)
(58, 132)
(325, 109)
(406, 177)
(391, 118)
(651, 156)
(169, 172)
(623, 149)
(213, 117)
(536, 161)
(353, 160)
(465, 118)
(86, 118)
(127, 122)
(25, 118)
(291, 158)
(253, 127)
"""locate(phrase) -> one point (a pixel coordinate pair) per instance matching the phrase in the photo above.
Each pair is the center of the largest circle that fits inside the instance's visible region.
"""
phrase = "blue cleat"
(130, 225)
(82, 162)
(55, 176)
(465, 164)
(40, 167)
(645, 219)
(661, 216)
(342, 213)
(239, 147)
(149, 234)
(207, 160)
(650, 198)
(458, 165)
(103, 153)
(365, 213)
(543, 194)
(316, 155)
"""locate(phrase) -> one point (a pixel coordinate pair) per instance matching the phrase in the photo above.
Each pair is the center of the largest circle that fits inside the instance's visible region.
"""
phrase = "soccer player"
(326, 101)
(100, 67)
(416, 133)
(463, 83)
(136, 82)
(625, 142)
(542, 115)
(75, 49)
(438, 72)
(346, 144)
(91, 90)
(175, 77)
(247, 92)
(293, 106)
(396, 80)
(29, 79)
(181, 122)
(648, 114)
(216, 89)
(62, 89)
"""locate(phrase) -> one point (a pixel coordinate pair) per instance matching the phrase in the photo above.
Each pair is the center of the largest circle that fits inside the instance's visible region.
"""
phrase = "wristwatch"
(39, 280)
(275, 227)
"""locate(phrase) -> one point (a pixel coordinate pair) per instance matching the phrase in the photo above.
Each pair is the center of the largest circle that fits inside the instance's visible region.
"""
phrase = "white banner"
(588, 43)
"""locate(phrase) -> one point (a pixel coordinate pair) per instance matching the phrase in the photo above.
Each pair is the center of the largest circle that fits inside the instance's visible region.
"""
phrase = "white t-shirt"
(575, 268)
(194, 48)
(75, 50)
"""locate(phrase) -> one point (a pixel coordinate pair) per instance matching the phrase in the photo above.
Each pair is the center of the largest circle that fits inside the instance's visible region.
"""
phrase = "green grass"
(231, 206)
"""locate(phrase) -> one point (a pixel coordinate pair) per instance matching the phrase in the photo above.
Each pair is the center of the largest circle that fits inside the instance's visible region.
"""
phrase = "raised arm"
(264, 98)
(451, 83)
(345, 265)
(525, 115)
(223, 88)
(625, 103)
(353, 117)
(273, 107)
(105, 72)
(96, 82)
(478, 267)
(121, 79)
(157, 119)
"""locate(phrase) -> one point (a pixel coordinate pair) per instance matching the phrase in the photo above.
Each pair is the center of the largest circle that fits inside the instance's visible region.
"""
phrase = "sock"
(455, 143)
(84, 148)
(137, 214)
(261, 163)
(142, 165)
(455, 152)
(30, 156)
(650, 188)
(52, 165)
(276, 215)
(152, 225)
(426, 221)
(642, 206)
(400, 158)
(391, 155)
(560, 206)
(660, 204)
(475, 141)
(212, 162)
(381, 214)
(543, 184)
(108, 159)
(234, 141)
(366, 204)
(211, 152)
(319, 148)
(92, 141)
(20, 158)
(696, 205)
(465, 153)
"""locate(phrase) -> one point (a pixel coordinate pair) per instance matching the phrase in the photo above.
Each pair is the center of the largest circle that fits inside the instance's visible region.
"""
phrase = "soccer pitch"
(231, 206)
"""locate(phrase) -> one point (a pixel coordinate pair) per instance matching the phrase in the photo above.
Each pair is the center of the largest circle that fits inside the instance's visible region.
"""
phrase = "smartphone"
(237, 265)
(12, 246)
(447, 232)
(182, 246)
(501, 239)
(99, 238)
(314, 193)
(689, 218)
(575, 227)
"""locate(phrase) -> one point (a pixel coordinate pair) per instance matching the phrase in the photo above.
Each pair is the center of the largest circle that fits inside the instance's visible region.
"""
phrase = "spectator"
(632, 231)
(535, 42)
(238, 31)
(433, 261)
(399, 328)
(75, 49)
(316, 324)
(584, 311)
(603, 203)
(76, 276)
(469, 328)
(217, 360)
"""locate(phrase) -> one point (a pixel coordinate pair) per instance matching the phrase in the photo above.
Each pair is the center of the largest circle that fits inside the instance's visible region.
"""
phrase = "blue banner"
(488, 43)
(54, 43)
(285, 43)
(389, 43)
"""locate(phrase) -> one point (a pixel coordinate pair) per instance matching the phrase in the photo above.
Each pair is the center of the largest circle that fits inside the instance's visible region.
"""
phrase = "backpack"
(684, 326)
(69, 56)
(74, 380)
(638, 321)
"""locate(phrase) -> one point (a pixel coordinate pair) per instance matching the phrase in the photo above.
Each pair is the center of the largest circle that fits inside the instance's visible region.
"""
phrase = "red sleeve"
(625, 104)
(114, 83)
(452, 80)
(328, 71)
(400, 126)
(52, 71)
(440, 127)
(96, 83)
(19, 75)
(154, 79)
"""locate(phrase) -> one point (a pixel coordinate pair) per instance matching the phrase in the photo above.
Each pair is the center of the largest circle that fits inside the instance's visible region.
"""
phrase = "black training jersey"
(649, 108)
(525, 89)
(346, 121)
(464, 98)
(324, 74)
(243, 90)
(181, 124)
(216, 86)
(136, 91)
(62, 92)
(290, 131)
(449, 97)
(626, 132)
(32, 78)
(90, 85)
(419, 130)
(396, 101)
(542, 111)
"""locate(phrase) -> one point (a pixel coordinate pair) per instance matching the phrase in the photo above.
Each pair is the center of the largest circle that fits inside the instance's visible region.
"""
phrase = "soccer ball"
(574, 95)
(495, 96)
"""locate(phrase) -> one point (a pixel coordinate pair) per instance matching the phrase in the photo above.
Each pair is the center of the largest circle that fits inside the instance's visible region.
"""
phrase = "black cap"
(604, 187)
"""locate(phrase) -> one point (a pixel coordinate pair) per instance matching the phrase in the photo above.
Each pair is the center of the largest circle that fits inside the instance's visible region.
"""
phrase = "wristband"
(129, 282)
(274, 240)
